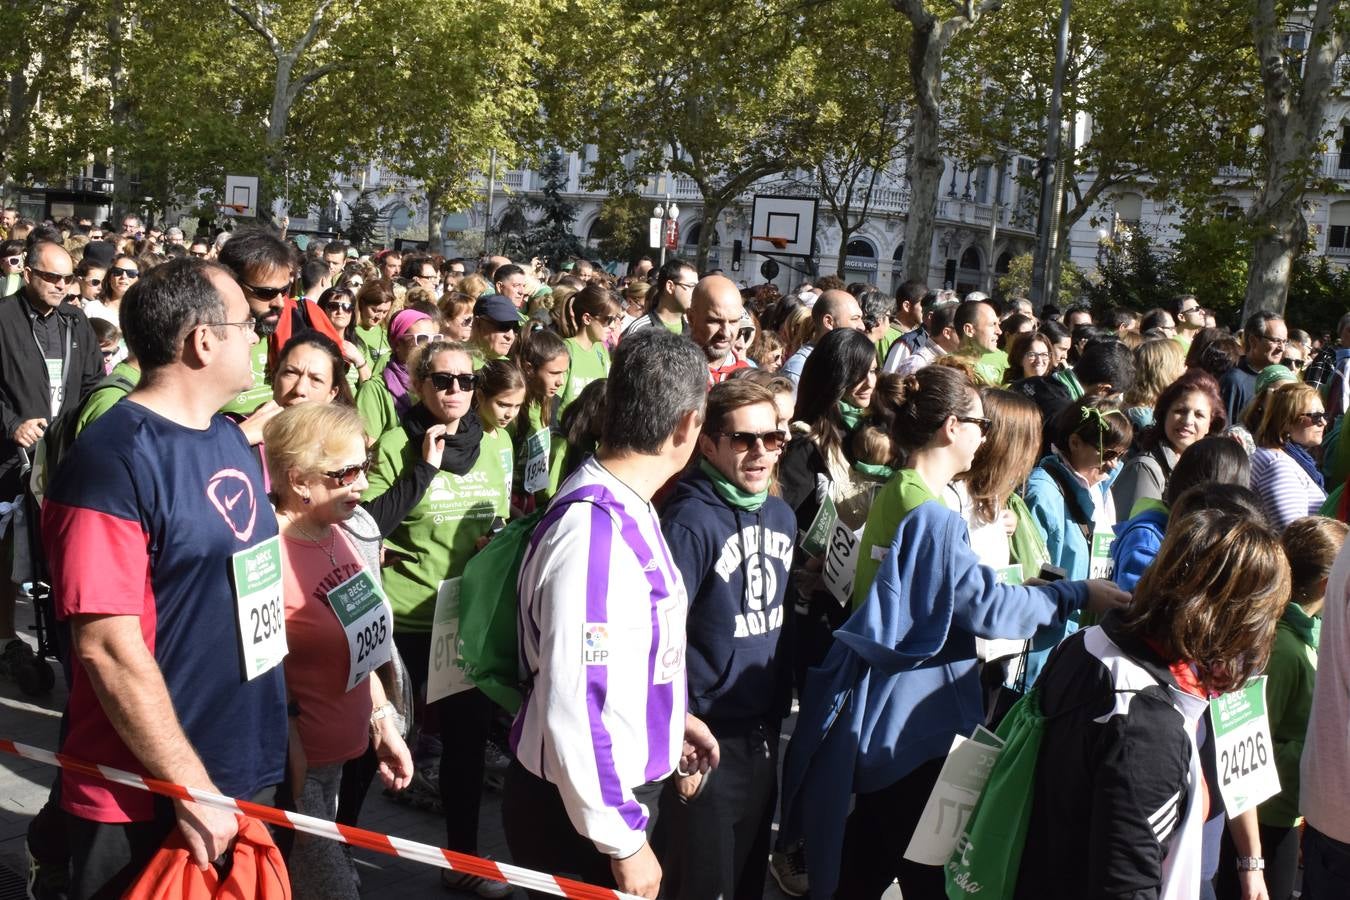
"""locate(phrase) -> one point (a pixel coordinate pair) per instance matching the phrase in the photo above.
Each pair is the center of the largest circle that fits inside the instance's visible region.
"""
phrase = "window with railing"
(1338, 234)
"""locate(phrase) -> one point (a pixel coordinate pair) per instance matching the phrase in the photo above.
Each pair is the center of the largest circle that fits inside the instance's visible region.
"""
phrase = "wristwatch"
(1250, 863)
(380, 713)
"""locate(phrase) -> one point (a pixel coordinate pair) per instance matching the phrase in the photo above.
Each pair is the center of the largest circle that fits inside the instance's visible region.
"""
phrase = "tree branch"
(315, 20)
(255, 21)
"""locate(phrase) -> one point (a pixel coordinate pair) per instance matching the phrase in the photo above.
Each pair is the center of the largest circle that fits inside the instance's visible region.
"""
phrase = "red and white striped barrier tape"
(346, 834)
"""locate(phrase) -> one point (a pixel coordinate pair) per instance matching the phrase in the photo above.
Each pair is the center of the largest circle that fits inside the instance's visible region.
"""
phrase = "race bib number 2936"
(261, 612)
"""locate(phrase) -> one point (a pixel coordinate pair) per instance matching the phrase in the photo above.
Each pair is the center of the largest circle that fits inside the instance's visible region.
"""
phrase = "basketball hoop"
(778, 242)
(239, 208)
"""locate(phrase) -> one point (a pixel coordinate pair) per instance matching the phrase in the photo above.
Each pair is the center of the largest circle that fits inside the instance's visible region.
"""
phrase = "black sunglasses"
(263, 293)
(339, 305)
(442, 381)
(53, 277)
(742, 441)
(1317, 418)
(979, 422)
(348, 474)
(94, 282)
(746, 335)
(116, 271)
(1295, 363)
(506, 326)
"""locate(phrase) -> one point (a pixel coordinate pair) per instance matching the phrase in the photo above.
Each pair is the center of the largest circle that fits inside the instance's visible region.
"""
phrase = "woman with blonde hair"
(339, 629)
(796, 329)
(1157, 363)
(1284, 473)
(474, 285)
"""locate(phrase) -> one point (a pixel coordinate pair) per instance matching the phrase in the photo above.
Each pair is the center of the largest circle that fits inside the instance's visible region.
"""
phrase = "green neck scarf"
(851, 415)
(734, 496)
(876, 471)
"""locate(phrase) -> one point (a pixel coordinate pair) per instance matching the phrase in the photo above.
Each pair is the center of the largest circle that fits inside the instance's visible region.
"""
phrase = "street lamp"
(337, 207)
(665, 227)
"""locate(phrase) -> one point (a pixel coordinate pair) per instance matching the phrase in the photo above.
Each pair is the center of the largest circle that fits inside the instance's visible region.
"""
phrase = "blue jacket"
(1049, 507)
(1137, 542)
(901, 679)
(735, 567)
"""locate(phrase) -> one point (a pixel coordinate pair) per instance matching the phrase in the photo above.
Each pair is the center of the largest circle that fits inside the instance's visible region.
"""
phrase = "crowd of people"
(271, 472)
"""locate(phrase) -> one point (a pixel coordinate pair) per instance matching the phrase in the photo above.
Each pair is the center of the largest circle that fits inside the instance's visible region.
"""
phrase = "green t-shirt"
(892, 335)
(991, 367)
(248, 402)
(531, 438)
(104, 398)
(376, 407)
(584, 367)
(435, 540)
(676, 327)
(373, 343)
(496, 458)
(897, 498)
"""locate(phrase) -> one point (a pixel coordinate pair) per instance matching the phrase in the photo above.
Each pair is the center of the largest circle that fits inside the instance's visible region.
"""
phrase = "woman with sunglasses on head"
(384, 401)
(1284, 472)
(339, 706)
(425, 556)
(123, 273)
(339, 305)
(588, 317)
(879, 714)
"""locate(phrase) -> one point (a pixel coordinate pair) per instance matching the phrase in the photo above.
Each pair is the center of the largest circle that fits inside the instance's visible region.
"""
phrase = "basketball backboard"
(782, 226)
(241, 196)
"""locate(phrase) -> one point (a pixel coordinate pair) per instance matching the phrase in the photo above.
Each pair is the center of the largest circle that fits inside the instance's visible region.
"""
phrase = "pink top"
(334, 723)
(1324, 780)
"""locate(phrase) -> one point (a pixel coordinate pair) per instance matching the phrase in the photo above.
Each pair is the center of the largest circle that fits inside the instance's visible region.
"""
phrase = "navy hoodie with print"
(735, 567)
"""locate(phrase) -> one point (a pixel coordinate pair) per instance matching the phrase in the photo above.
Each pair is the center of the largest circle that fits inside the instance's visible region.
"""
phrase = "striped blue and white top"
(1286, 491)
(602, 647)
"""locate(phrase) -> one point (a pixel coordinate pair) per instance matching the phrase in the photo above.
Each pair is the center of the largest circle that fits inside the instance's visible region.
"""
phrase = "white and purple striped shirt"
(602, 646)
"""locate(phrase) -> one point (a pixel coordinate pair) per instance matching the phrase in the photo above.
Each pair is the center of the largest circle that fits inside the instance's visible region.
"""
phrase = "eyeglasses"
(743, 441)
(442, 381)
(119, 272)
(684, 284)
(1189, 309)
(197, 254)
(249, 327)
(1317, 418)
(1031, 354)
(348, 474)
(421, 340)
(979, 422)
(1275, 342)
(746, 335)
(53, 277)
(262, 293)
(338, 305)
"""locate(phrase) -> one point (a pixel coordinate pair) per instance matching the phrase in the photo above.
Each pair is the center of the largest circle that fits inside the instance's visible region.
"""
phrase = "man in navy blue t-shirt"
(165, 562)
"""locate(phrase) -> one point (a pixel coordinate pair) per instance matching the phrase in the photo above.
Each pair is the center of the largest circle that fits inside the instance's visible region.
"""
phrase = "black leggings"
(877, 834)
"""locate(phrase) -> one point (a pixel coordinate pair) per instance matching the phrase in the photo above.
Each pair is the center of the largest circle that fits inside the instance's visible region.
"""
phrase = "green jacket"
(432, 544)
(376, 406)
(1289, 693)
(106, 395)
(248, 402)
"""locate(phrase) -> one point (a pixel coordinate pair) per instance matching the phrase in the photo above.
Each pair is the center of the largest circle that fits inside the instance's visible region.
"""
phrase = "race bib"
(670, 613)
(1101, 565)
(261, 612)
(56, 383)
(963, 777)
(1243, 747)
(445, 670)
(536, 461)
(841, 562)
(1009, 574)
(366, 618)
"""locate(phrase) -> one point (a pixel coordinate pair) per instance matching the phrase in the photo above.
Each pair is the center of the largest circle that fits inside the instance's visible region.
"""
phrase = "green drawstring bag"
(488, 605)
(989, 852)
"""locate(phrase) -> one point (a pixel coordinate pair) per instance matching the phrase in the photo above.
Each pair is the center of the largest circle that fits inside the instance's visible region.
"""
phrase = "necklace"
(332, 540)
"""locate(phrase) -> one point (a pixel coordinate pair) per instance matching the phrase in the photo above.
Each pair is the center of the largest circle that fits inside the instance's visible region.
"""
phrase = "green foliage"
(551, 234)
(1210, 261)
(363, 221)
(1132, 274)
(1317, 294)
(624, 216)
(1017, 281)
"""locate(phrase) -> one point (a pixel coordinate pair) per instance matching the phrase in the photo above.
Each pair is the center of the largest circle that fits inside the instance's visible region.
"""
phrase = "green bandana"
(851, 415)
(876, 471)
(734, 496)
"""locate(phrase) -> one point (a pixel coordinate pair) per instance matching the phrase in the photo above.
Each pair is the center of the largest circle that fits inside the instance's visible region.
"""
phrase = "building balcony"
(1338, 252)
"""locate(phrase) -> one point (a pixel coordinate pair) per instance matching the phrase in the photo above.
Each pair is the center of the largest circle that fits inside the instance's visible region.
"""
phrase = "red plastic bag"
(257, 871)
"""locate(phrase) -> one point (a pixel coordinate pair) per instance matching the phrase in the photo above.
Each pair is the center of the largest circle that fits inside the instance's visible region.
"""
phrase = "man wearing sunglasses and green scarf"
(733, 544)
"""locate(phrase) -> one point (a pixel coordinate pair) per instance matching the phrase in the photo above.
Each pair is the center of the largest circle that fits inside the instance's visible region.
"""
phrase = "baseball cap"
(497, 308)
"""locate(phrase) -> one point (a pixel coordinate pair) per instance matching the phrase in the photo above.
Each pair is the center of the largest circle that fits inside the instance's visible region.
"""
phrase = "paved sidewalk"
(24, 786)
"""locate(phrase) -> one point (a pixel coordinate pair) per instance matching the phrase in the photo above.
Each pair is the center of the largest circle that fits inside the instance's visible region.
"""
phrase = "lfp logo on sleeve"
(595, 651)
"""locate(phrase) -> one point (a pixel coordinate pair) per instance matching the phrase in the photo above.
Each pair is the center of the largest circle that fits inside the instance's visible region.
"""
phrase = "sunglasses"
(1317, 418)
(743, 441)
(15, 261)
(506, 326)
(263, 293)
(442, 381)
(338, 305)
(53, 277)
(1295, 363)
(348, 474)
(607, 320)
(197, 254)
(421, 340)
(979, 422)
(93, 282)
(1110, 456)
(119, 272)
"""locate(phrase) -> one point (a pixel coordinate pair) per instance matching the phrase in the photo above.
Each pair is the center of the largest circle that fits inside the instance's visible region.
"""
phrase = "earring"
(305, 499)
